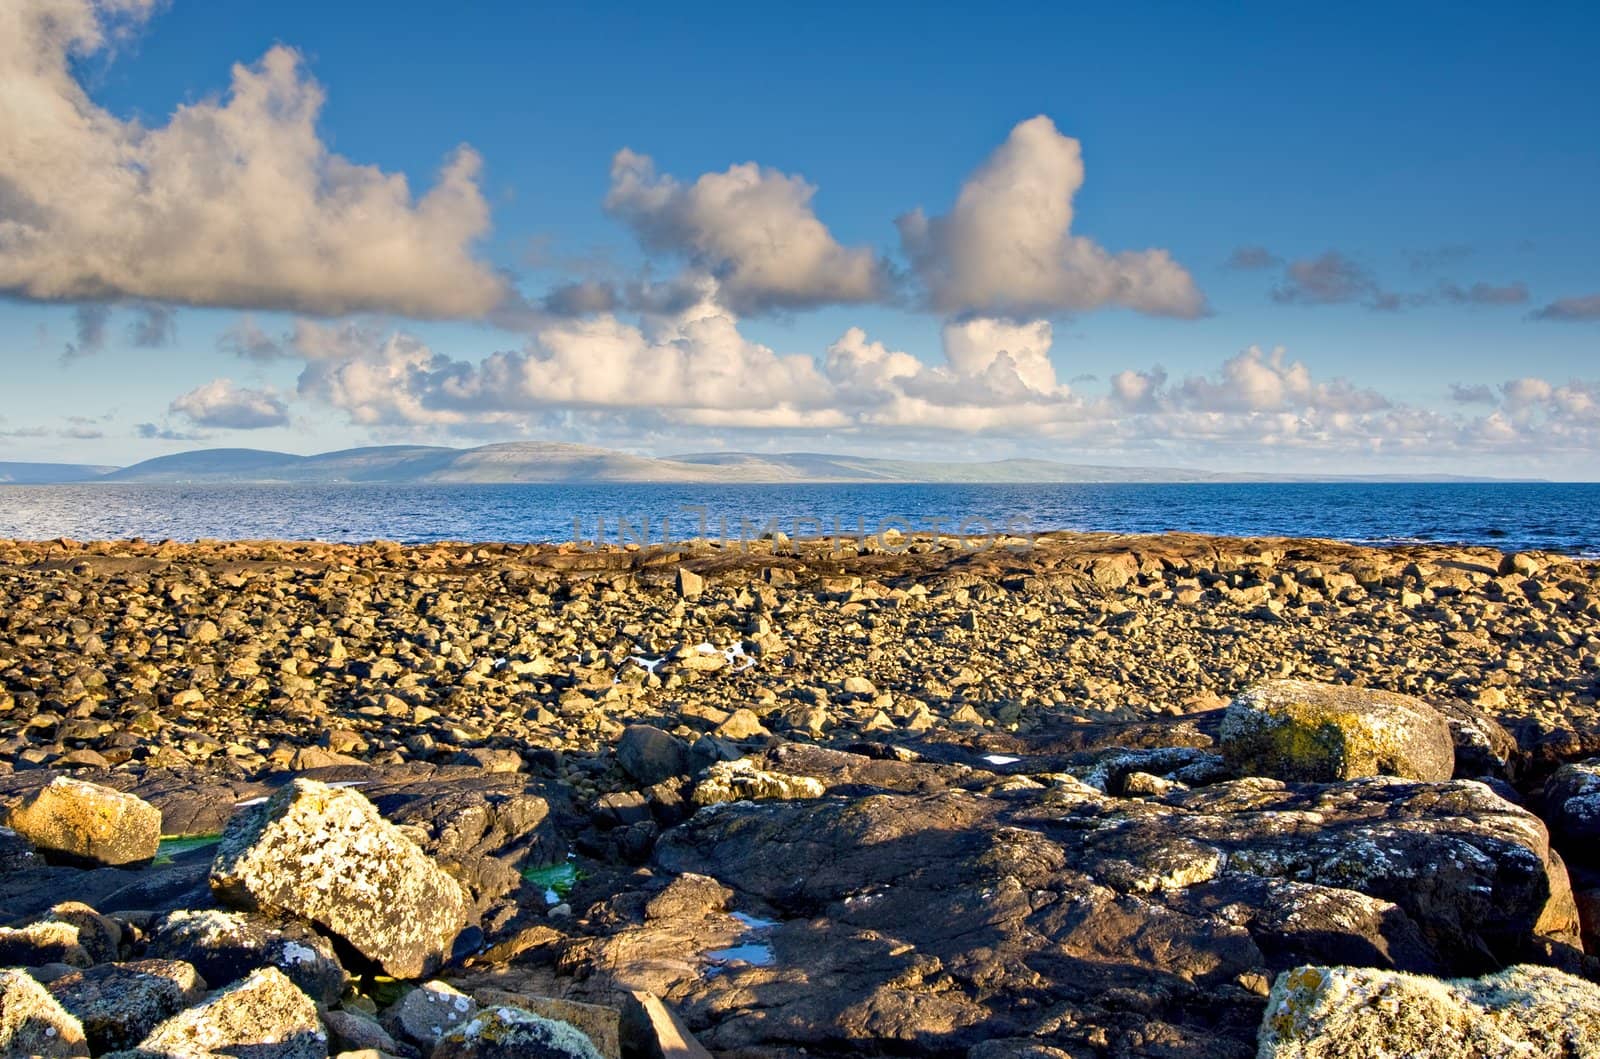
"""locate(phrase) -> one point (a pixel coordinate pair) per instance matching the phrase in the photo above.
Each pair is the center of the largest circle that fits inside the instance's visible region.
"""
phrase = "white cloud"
(752, 228)
(1006, 247)
(220, 403)
(233, 202)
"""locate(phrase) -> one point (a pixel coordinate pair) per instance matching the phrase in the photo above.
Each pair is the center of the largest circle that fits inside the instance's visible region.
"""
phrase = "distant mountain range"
(556, 463)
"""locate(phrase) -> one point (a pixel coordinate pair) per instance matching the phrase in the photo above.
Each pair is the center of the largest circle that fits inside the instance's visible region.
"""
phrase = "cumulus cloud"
(233, 202)
(1006, 248)
(221, 404)
(1585, 307)
(752, 228)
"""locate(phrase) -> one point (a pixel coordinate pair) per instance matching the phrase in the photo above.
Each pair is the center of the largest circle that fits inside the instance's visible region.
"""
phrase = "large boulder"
(512, 1033)
(323, 854)
(83, 823)
(1572, 805)
(1523, 1012)
(226, 946)
(262, 1017)
(32, 1022)
(120, 1003)
(1302, 731)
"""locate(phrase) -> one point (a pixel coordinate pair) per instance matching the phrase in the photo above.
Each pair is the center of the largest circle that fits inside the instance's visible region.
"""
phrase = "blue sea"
(1511, 516)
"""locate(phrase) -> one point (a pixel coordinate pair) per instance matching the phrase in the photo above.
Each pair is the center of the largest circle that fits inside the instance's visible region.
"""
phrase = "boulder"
(511, 1033)
(650, 1029)
(650, 755)
(1572, 805)
(226, 946)
(427, 1013)
(32, 1022)
(323, 854)
(83, 823)
(1522, 1012)
(600, 1023)
(1302, 731)
(120, 1003)
(740, 781)
(40, 943)
(263, 1017)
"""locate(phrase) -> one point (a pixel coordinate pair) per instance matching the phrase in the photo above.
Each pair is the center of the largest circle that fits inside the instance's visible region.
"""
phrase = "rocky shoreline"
(1075, 795)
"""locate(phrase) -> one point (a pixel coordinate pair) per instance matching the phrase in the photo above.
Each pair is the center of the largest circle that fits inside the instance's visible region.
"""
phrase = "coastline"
(919, 727)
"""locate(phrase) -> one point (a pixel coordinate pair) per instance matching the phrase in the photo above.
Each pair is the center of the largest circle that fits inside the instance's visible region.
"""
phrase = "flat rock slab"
(324, 854)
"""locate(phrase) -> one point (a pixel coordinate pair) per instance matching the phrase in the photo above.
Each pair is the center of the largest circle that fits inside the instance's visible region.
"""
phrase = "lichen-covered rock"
(741, 781)
(40, 943)
(226, 946)
(1523, 1012)
(600, 1023)
(427, 1013)
(32, 1022)
(1572, 805)
(263, 1017)
(78, 822)
(1302, 731)
(120, 1003)
(511, 1033)
(101, 936)
(323, 854)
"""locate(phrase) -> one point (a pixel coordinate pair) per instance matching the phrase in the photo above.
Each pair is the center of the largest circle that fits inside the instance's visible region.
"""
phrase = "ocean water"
(1512, 516)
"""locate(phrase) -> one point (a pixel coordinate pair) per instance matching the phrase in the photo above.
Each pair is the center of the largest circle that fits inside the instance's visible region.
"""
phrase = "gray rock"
(120, 1003)
(32, 1022)
(427, 1013)
(226, 946)
(650, 755)
(512, 1033)
(1523, 1012)
(353, 1032)
(262, 1017)
(323, 854)
(1302, 731)
(78, 822)
(1572, 805)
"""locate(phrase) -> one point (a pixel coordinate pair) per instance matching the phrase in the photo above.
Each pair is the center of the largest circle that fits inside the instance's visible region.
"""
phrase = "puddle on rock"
(172, 845)
(557, 880)
(751, 950)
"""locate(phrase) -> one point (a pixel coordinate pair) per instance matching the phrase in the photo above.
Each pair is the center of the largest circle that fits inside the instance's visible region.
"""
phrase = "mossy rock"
(1301, 731)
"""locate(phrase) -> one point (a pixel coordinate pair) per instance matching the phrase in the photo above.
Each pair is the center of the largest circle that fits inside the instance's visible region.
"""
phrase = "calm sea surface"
(1557, 517)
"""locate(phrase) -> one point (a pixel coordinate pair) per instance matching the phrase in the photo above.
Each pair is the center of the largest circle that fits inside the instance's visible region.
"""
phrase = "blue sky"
(1412, 185)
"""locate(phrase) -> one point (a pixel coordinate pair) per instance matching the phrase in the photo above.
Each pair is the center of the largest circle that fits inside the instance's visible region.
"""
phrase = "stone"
(101, 936)
(355, 1032)
(425, 1014)
(512, 1033)
(650, 755)
(263, 1017)
(598, 1022)
(689, 584)
(1301, 731)
(1524, 1012)
(323, 854)
(226, 946)
(38, 944)
(650, 1029)
(741, 724)
(119, 1004)
(32, 1022)
(83, 823)
(1572, 805)
(738, 781)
